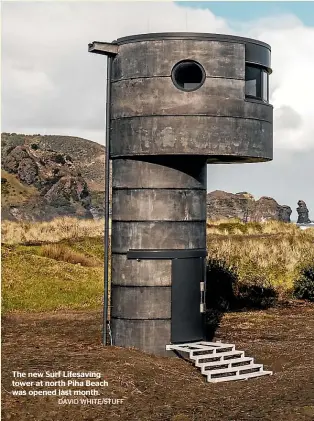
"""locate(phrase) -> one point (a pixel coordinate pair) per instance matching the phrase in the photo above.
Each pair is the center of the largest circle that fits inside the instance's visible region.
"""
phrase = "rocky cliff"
(44, 177)
(48, 176)
(221, 205)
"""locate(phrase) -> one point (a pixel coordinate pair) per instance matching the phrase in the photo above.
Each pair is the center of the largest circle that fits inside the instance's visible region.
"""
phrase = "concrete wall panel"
(157, 58)
(179, 173)
(159, 96)
(141, 302)
(126, 272)
(157, 235)
(158, 205)
(200, 135)
(148, 335)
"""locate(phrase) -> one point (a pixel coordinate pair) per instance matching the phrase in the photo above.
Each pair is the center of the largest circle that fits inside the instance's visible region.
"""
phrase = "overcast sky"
(51, 85)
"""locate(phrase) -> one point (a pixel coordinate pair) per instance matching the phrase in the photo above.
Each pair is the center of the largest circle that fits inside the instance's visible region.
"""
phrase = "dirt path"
(164, 389)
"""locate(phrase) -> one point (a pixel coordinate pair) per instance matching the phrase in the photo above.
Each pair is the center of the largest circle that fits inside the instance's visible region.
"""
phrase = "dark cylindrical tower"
(178, 102)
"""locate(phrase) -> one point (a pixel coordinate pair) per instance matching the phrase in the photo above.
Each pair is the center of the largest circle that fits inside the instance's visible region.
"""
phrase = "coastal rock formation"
(303, 213)
(243, 206)
(51, 176)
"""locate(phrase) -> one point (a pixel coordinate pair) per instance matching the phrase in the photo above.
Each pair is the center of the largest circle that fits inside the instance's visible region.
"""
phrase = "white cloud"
(291, 83)
(50, 82)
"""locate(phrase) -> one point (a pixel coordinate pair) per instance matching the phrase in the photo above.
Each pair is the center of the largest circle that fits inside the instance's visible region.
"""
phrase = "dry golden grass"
(53, 231)
(265, 254)
(66, 254)
(236, 227)
(67, 275)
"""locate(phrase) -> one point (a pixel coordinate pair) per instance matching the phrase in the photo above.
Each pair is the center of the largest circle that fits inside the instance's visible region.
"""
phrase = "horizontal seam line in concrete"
(157, 220)
(159, 188)
(165, 153)
(141, 286)
(129, 318)
(169, 77)
(189, 115)
(122, 253)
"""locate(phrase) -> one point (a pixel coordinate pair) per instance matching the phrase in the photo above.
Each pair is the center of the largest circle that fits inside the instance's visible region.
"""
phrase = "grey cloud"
(286, 117)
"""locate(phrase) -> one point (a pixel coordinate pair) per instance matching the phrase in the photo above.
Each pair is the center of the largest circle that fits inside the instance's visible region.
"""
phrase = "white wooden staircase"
(220, 362)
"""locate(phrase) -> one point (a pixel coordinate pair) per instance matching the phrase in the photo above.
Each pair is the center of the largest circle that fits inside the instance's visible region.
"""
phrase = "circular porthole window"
(188, 75)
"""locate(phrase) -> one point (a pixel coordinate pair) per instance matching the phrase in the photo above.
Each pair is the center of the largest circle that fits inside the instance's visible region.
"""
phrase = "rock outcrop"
(62, 184)
(243, 206)
(303, 213)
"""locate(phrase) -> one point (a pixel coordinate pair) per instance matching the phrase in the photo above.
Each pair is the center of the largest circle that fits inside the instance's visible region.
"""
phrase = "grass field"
(59, 264)
(270, 254)
(64, 275)
(52, 289)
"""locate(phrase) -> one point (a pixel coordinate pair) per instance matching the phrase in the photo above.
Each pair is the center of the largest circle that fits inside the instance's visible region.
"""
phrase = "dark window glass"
(265, 95)
(253, 82)
(256, 82)
(188, 75)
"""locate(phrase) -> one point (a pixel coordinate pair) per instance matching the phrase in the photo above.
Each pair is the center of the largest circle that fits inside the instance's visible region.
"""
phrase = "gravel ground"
(160, 388)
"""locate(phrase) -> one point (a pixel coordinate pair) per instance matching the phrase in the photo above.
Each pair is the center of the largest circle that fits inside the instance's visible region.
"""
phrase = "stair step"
(234, 369)
(199, 348)
(211, 357)
(201, 344)
(216, 344)
(221, 354)
(213, 349)
(239, 376)
(206, 366)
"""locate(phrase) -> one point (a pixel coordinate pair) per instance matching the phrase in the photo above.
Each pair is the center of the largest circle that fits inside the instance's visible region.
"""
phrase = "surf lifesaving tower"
(175, 103)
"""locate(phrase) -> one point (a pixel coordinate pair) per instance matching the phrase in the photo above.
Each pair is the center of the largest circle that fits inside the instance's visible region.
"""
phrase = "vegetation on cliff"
(44, 177)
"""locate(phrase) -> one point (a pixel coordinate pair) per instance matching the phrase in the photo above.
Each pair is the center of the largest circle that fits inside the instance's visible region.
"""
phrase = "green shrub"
(229, 289)
(221, 279)
(255, 297)
(59, 159)
(304, 285)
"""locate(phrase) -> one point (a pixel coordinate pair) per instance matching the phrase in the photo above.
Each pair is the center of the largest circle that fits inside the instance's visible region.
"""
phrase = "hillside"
(44, 177)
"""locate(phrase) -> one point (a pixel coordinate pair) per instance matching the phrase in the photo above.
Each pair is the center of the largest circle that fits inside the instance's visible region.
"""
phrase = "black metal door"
(186, 316)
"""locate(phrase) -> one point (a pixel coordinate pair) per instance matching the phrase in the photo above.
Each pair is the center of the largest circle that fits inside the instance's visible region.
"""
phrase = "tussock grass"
(41, 278)
(67, 273)
(237, 227)
(66, 254)
(51, 232)
(269, 255)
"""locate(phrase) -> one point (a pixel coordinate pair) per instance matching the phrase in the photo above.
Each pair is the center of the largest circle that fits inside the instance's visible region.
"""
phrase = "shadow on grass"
(224, 293)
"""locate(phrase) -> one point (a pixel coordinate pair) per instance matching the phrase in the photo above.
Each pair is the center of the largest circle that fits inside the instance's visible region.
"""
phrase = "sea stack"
(303, 213)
